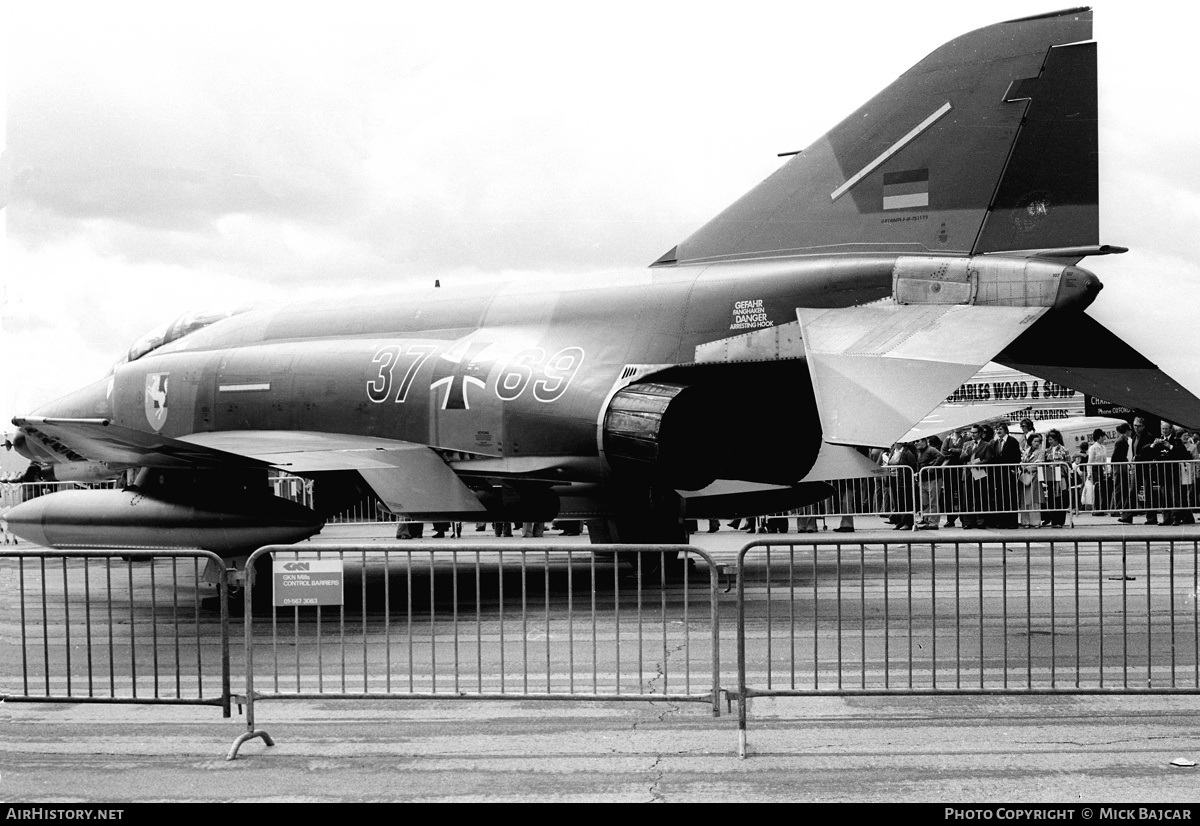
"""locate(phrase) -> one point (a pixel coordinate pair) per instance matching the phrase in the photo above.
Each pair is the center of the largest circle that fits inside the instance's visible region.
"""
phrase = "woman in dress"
(1098, 471)
(1058, 480)
(1029, 482)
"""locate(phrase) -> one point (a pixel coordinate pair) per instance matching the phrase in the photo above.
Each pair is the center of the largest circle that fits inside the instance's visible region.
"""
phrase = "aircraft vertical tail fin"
(986, 145)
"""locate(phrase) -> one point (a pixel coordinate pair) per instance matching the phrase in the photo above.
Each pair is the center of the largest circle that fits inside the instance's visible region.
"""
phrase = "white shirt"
(1097, 455)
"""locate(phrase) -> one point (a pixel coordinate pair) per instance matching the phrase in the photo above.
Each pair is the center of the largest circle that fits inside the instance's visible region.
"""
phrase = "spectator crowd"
(985, 477)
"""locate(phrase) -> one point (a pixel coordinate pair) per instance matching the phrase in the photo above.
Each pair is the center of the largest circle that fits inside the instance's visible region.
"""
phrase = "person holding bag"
(1097, 473)
(1170, 452)
(1030, 482)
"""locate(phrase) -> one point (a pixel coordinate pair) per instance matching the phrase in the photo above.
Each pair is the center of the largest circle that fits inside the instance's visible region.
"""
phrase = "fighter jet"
(834, 305)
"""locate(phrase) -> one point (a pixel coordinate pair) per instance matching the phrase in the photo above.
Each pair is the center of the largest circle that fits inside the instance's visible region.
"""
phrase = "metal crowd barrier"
(293, 488)
(980, 495)
(1167, 487)
(114, 627)
(1035, 493)
(961, 613)
(1056, 491)
(14, 493)
(367, 510)
(10, 497)
(976, 493)
(552, 622)
(970, 615)
(889, 491)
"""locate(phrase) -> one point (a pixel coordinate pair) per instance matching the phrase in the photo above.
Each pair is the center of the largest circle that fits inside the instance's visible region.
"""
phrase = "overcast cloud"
(166, 159)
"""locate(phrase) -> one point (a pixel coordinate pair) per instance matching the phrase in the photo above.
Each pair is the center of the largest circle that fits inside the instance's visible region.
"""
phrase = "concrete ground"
(944, 749)
(1003, 750)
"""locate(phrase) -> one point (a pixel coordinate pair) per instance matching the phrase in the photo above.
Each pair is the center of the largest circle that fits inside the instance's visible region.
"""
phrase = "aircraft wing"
(303, 451)
(407, 477)
(1076, 351)
(101, 440)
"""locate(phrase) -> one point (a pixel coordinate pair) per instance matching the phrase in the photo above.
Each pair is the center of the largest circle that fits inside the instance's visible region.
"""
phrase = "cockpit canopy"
(174, 330)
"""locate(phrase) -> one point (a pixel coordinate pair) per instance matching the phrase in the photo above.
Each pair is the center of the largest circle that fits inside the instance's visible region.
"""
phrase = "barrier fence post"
(251, 732)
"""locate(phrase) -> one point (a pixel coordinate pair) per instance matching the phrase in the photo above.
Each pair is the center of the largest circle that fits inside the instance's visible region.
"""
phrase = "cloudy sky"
(165, 159)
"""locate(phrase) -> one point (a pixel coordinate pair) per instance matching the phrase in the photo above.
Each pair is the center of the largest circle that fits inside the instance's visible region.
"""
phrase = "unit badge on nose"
(155, 401)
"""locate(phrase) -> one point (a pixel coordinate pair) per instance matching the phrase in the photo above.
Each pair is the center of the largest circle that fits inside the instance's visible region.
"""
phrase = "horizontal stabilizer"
(1076, 351)
(877, 370)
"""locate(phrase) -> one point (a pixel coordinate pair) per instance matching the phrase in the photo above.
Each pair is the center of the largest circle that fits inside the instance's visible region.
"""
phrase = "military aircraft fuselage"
(479, 370)
(499, 375)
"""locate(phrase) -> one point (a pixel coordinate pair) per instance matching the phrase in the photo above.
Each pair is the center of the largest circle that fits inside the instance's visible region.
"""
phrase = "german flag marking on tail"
(905, 190)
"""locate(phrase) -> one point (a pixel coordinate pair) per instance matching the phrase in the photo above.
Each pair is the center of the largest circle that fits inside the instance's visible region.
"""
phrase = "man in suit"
(1168, 451)
(1008, 455)
(977, 498)
(951, 481)
(1120, 475)
(1141, 450)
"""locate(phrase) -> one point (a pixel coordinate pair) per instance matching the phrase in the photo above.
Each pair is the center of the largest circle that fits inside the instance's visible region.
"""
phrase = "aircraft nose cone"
(90, 402)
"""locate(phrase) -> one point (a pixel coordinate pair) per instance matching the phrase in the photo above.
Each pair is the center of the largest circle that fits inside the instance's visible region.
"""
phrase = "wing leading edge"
(102, 440)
